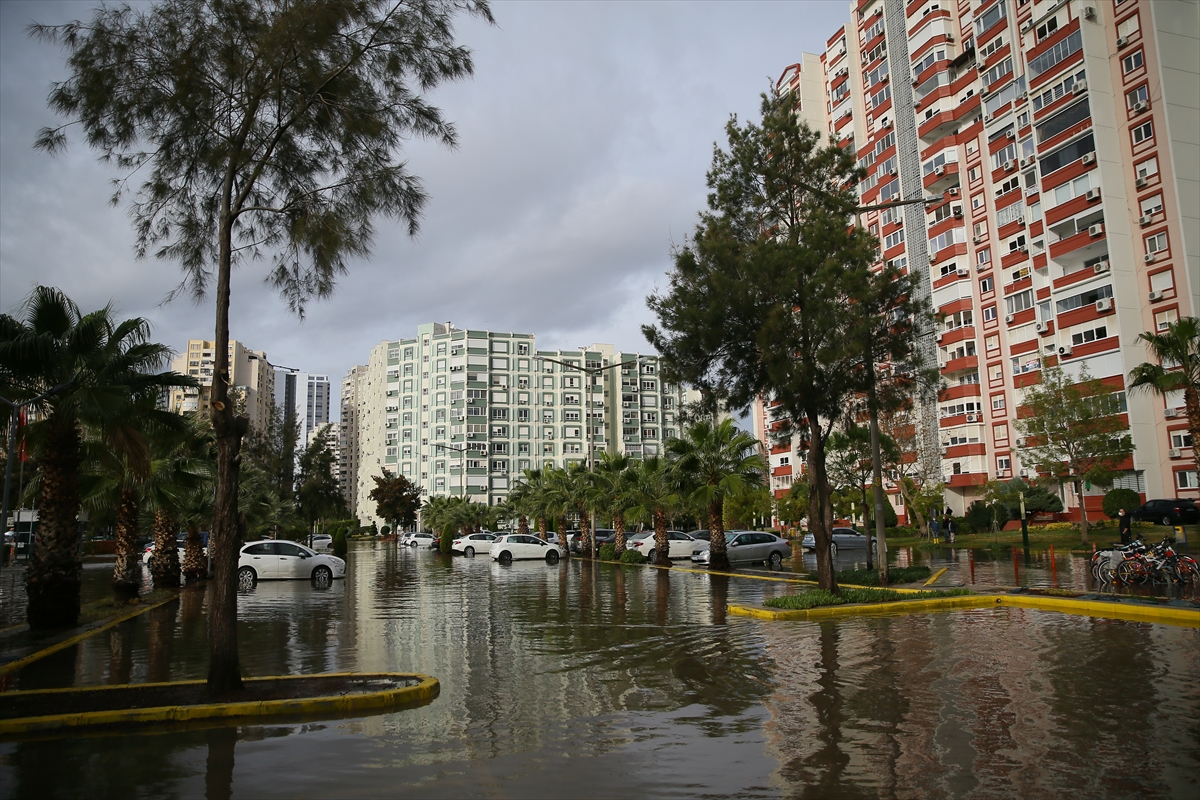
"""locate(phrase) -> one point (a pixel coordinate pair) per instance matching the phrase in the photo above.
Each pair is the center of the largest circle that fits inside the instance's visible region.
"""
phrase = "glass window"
(1139, 94)
(1142, 132)
(1131, 62)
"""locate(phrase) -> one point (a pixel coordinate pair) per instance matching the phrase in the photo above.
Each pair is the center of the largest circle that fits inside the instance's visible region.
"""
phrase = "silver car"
(843, 539)
(748, 547)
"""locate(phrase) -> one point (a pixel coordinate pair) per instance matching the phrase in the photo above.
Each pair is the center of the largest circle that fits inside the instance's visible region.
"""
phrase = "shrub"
(340, 545)
(446, 540)
(1116, 499)
(632, 557)
(980, 514)
(385, 530)
(608, 552)
(819, 597)
(890, 520)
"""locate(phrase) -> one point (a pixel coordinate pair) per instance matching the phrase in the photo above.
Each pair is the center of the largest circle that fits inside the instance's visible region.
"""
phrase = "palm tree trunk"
(523, 525)
(662, 545)
(718, 554)
(562, 534)
(541, 524)
(195, 567)
(619, 533)
(585, 534)
(53, 578)
(127, 574)
(164, 559)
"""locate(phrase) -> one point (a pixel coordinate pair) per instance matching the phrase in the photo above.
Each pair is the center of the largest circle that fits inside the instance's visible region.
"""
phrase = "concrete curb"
(1090, 608)
(331, 705)
(24, 661)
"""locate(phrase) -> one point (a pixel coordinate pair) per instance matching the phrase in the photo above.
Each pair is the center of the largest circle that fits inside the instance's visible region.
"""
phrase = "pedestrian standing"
(1125, 525)
(934, 528)
(951, 528)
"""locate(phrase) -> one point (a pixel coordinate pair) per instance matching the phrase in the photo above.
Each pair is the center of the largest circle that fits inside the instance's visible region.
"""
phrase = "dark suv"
(1178, 511)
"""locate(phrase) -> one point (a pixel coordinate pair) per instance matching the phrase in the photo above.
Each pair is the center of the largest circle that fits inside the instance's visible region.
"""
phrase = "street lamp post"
(591, 372)
(462, 467)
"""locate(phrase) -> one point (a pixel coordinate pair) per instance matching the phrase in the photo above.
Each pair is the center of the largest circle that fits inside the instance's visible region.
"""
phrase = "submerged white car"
(474, 543)
(516, 546)
(679, 544)
(284, 561)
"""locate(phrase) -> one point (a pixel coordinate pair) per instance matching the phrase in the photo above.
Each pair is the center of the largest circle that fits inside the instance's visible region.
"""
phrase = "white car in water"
(517, 546)
(679, 543)
(474, 543)
(286, 561)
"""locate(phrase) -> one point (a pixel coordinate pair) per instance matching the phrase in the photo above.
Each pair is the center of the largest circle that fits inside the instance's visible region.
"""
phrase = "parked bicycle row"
(1140, 562)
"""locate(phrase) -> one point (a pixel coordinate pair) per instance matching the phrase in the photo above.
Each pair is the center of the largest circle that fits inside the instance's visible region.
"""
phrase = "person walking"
(1125, 526)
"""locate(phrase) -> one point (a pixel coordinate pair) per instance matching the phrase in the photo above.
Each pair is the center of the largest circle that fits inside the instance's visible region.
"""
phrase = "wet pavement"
(586, 680)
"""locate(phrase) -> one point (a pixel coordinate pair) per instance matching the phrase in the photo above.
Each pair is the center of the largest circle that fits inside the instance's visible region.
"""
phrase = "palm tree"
(656, 493)
(179, 468)
(717, 461)
(557, 496)
(578, 485)
(94, 369)
(613, 489)
(1177, 350)
(519, 505)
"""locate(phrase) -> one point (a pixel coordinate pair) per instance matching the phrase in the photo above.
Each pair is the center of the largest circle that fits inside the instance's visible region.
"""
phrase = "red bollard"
(1053, 567)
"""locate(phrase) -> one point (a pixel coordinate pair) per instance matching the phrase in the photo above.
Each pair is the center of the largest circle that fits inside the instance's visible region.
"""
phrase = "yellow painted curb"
(17, 664)
(1092, 608)
(426, 690)
(935, 576)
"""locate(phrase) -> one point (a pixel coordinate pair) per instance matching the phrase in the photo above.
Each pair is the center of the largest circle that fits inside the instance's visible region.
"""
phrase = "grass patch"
(819, 597)
(863, 577)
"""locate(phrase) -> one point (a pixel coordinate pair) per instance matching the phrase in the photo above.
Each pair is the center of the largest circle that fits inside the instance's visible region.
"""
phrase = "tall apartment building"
(305, 397)
(348, 443)
(252, 380)
(461, 411)
(1059, 140)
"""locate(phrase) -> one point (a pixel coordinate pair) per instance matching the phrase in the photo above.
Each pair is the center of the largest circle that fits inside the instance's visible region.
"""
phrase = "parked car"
(843, 539)
(322, 541)
(281, 561)
(180, 545)
(702, 534)
(748, 547)
(571, 539)
(1176, 511)
(515, 546)
(475, 543)
(680, 544)
(418, 539)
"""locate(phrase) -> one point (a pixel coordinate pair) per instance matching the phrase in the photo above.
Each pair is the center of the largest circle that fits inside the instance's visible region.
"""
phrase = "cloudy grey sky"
(585, 136)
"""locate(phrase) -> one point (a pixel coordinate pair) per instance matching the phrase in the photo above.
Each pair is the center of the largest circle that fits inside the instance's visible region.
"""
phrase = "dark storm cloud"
(584, 139)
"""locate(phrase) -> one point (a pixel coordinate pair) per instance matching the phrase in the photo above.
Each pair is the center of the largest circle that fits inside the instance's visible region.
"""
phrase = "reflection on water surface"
(589, 680)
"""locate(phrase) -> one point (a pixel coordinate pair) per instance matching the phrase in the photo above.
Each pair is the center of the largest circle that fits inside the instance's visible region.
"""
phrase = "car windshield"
(642, 535)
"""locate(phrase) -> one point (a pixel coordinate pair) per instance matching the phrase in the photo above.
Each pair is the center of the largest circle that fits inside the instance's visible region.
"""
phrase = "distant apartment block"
(304, 397)
(461, 412)
(252, 380)
(1059, 140)
(348, 442)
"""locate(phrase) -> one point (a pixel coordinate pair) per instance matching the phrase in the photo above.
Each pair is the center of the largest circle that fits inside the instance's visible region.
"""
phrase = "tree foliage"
(1074, 432)
(1177, 353)
(396, 499)
(318, 493)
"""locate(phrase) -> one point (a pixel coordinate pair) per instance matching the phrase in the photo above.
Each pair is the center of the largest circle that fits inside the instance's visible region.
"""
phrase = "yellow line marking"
(935, 576)
(1095, 608)
(427, 689)
(17, 664)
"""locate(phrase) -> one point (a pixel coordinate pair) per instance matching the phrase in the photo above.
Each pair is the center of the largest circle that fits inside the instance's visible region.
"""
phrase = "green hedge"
(819, 597)
(608, 552)
(632, 557)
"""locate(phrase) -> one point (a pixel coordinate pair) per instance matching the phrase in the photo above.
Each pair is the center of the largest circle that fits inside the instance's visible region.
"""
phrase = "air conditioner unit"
(1141, 181)
(887, 123)
(879, 11)
(939, 170)
(1027, 27)
(1024, 473)
(1145, 220)
(1027, 162)
(1089, 12)
(972, 418)
(1021, 222)
(1021, 443)
(1140, 107)
(1088, 158)
(1008, 318)
(894, 172)
(981, 267)
(1173, 453)
(885, 79)
(942, 365)
(1064, 350)
(1149, 258)
(1080, 87)
(962, 272)
(1096, 230)
(1012, 134)
(953, 192)
(1155, 295)
(1122, 41)
(916, 81)
(950, 38)
(976, 239)
(1022, 249)
(958, 213)
(1042, 327)
(1092, 195)
(1009, 166)
(1170, 413)
(987, 118)
(1100, 267)
(984, 92)
(1104, 304)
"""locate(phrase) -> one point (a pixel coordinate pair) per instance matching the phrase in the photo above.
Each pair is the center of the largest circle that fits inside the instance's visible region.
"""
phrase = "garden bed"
(818, 598)
(864, 577)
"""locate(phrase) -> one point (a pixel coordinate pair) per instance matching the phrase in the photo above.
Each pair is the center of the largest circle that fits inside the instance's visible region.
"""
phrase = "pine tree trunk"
(662, 545)
(820, 508)
(127, 573)
(195, 565)
(53, 577)
(718, 552)
(164, 559)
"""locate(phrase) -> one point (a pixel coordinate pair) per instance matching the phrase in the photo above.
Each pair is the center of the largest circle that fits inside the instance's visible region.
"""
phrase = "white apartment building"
(252, 380)
(1059, 140)
(348, 444)
(464, 411)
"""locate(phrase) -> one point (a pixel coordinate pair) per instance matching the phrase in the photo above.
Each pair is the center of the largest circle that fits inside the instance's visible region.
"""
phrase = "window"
(996, 373)
(1131, 62)
(1142, 133)
(1152, 205)
(989, 314)
(1004, 155)
(989, 18)
(984, 256)
(973, 174)
(1064, 120)
(1156, 243)
(1046, 28)
(1128, 27)
(997, 402)
(1019, 301)
(1164, 319)
(1000, 432)
(1068, 191)
(997, 73)
(1090, 335)
(1003, 463)
(1186, 479)
(992, 342)
(1180, 439)
(1084, 299)
(986, 286)
(1138, 94)
(1146, 168)
(1055, 55)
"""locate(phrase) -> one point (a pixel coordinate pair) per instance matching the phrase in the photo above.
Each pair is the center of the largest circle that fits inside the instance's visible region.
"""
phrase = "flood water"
(586, 680)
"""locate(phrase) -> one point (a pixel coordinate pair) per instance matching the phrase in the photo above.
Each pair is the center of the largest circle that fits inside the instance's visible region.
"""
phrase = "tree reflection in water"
(218, 774)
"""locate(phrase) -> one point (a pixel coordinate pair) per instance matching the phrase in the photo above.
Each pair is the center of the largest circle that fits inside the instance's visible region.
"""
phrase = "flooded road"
(587, 680)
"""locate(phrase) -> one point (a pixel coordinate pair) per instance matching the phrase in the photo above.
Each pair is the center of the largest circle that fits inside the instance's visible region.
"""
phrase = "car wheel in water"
(469, 552)
(246, 578)
(322, 577)
(552, 557)
(506, 557)
(650, 556)
(833, 549)
(775, 561)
